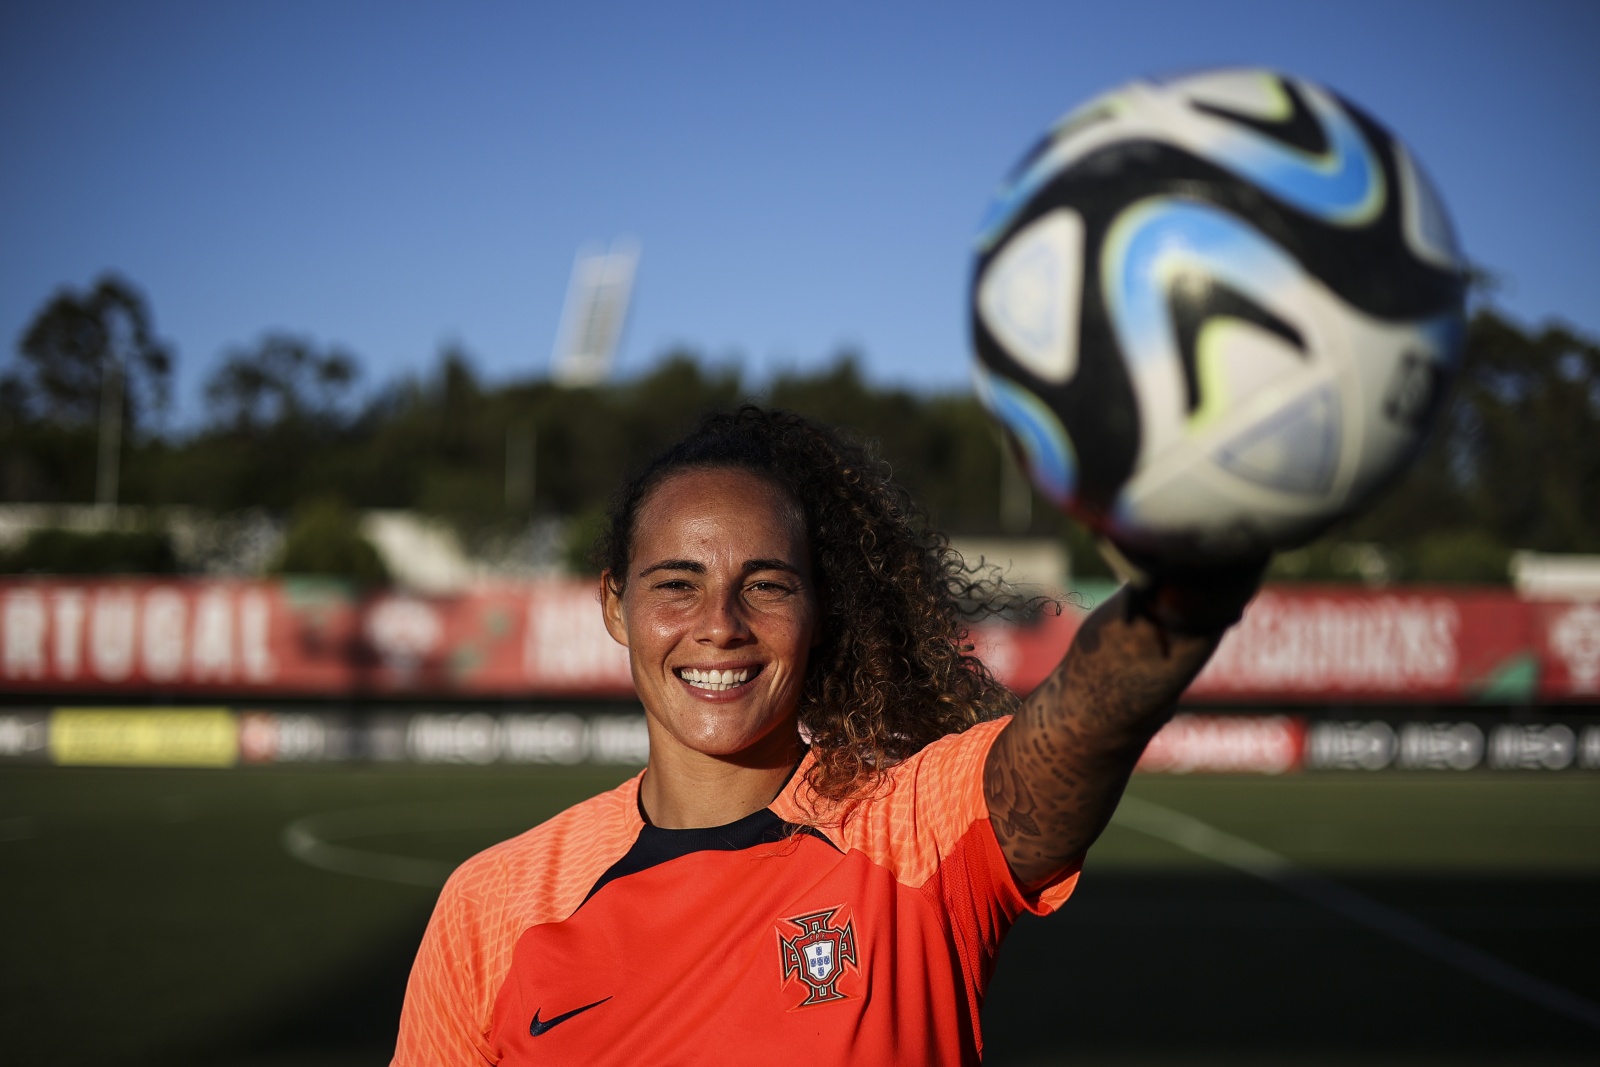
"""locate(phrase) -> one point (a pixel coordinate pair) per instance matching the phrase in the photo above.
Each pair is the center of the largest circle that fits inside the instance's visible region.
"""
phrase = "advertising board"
(205, 639)
(1192, 743)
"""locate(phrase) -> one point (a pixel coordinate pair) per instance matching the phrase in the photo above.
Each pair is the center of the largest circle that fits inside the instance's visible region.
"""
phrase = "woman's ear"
(611, 609)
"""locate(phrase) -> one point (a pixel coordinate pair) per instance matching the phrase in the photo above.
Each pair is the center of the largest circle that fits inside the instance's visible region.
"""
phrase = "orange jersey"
(595, 938)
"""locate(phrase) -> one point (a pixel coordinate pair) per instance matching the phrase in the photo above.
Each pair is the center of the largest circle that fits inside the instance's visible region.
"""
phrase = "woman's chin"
(741, 741)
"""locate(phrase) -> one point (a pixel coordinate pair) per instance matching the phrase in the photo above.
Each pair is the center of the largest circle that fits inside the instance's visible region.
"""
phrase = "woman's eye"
(768, 588)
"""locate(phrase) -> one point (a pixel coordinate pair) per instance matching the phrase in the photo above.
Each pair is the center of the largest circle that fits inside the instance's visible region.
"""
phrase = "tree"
(88, 363)
(324, 538)
(1527, 435)
(944, 449)
(56, 551)
(282, 381)
(75, 342)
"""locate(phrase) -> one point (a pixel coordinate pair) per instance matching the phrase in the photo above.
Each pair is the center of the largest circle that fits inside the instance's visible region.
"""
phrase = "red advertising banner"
(1340, 644)
(1567, 644)
(305, 639)
(1308, 645)
(205, 638)
(1229, 744)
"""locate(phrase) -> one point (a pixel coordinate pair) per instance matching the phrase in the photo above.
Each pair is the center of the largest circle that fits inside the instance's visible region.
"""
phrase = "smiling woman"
(886, 670)
(842, 814)
(719, 616)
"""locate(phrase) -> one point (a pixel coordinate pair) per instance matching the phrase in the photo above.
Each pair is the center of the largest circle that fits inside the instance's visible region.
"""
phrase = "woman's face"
(718, 612)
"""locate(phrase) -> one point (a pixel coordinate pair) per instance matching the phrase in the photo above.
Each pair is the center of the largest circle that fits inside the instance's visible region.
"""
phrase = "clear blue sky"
(392, 177)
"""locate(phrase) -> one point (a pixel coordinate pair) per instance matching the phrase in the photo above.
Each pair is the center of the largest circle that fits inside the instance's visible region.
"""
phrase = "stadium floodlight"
(595, 310)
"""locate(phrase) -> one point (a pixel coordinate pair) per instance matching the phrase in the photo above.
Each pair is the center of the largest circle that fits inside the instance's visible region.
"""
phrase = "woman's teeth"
(716, 681)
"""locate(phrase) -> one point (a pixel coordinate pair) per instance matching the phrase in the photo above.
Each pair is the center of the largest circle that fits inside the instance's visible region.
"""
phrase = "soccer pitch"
(266, 916)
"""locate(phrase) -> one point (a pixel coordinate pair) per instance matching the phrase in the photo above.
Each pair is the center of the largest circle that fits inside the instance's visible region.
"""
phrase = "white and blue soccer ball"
(1216, 313)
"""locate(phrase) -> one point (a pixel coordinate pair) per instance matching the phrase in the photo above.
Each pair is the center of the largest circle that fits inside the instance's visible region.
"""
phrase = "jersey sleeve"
(950, 814)
(931, 827)
(933, 813)
(448, 1005)
(537, 877)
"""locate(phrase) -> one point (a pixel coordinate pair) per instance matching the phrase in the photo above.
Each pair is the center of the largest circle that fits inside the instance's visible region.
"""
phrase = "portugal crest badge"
(817, 954)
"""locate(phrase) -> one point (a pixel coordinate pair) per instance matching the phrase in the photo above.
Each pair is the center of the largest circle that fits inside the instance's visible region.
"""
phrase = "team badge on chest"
(817, 954)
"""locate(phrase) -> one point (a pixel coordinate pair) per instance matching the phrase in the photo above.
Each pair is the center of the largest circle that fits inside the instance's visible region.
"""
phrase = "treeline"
(1515, 463)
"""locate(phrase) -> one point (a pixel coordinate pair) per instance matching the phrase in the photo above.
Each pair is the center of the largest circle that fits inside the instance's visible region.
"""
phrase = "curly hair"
(892, 671)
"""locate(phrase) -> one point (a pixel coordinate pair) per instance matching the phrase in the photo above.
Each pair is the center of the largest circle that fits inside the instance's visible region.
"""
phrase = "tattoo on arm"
(1056, 772)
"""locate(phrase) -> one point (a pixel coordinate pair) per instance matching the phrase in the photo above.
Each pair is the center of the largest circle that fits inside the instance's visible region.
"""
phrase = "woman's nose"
(722, 621)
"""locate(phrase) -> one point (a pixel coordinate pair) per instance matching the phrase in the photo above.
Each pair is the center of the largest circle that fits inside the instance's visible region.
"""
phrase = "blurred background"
(329, 328)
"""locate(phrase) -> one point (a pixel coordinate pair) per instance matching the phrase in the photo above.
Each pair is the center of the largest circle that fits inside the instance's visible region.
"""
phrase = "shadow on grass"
(1141, 969)
(346, 1018)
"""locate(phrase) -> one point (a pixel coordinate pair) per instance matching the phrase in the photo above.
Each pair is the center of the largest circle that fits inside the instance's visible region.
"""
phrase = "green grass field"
(156, 916)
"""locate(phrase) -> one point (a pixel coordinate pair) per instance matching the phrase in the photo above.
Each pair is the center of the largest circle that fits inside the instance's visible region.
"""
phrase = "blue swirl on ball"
(1157, 241)
(1052, 463)
(1343, 185)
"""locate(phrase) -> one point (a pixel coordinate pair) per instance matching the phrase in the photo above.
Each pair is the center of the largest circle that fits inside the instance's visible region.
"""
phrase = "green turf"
(1524, 823)
(1167, 957)
(155, 916)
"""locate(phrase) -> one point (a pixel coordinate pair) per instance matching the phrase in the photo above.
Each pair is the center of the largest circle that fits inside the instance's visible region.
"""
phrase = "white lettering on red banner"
(177, 634)
(1327, 645)
(68, 624)
(566, 644)
(25, 629)
(1265, 744)
(112, 623)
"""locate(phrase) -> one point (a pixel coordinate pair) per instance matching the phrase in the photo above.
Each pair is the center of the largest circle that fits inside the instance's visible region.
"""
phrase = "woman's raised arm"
(1056, 772)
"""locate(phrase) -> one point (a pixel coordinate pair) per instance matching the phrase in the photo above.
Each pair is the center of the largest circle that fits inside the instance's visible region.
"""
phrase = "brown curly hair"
(892, 671)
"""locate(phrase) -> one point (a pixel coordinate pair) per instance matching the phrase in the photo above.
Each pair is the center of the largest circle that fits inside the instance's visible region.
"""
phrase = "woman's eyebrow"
(674, 565)
(753, 565)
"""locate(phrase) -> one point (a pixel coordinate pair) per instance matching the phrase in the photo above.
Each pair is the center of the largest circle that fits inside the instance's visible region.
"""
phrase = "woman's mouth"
(717, 681)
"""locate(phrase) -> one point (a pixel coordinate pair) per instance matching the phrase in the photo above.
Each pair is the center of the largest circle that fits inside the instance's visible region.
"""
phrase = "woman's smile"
(716, 680)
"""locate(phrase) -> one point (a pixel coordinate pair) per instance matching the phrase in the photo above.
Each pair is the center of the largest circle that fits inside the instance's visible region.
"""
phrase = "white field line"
(1206, 840)
(310, 840)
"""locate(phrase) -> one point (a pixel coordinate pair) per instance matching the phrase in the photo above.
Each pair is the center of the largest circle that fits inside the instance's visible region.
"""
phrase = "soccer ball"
(1215, 313)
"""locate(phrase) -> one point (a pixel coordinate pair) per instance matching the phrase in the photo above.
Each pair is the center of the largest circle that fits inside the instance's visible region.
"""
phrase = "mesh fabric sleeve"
(449, 996)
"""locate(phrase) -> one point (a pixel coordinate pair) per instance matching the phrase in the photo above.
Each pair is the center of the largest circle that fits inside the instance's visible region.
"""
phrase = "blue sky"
(391, 178)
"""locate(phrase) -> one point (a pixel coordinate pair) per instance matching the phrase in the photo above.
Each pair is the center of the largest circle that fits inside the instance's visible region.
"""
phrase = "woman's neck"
(683, 790)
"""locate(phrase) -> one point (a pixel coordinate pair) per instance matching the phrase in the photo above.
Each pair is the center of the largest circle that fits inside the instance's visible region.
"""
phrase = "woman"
(843, 813)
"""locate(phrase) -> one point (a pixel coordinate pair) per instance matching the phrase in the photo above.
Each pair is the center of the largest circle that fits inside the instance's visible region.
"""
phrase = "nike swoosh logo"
(539, 1026)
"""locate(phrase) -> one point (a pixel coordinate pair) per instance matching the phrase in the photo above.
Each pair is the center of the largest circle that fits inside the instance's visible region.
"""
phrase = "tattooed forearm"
(1056, 772)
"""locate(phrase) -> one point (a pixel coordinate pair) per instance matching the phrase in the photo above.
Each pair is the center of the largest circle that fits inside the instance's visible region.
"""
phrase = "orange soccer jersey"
(595, 938)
